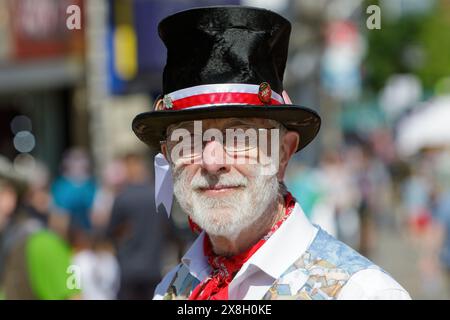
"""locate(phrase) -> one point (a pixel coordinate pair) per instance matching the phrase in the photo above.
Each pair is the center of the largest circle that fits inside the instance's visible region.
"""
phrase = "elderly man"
(228, 130)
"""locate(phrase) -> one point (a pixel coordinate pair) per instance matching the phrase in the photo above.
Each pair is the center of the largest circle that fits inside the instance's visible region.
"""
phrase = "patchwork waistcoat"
(318, 274)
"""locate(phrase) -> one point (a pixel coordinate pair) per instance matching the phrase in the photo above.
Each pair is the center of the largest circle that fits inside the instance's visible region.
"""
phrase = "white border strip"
(220, 87)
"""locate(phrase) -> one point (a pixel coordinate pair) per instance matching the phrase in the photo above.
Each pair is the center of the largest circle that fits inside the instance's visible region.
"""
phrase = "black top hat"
(224, 62)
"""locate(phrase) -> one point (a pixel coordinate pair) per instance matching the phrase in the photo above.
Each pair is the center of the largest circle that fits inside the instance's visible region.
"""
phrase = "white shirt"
(100, 274)
(268, 263)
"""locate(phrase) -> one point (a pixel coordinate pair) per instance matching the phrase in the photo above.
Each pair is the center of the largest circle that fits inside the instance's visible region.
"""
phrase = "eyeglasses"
(187, 144)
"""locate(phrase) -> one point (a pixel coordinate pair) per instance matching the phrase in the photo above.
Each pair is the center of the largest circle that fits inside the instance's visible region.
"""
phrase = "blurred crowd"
(77, 237)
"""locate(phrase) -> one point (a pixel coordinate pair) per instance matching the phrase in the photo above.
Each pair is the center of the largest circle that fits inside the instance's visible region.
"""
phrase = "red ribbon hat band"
(221, 94)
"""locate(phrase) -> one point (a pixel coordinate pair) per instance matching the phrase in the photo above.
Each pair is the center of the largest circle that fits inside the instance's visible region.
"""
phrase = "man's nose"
(214, 158)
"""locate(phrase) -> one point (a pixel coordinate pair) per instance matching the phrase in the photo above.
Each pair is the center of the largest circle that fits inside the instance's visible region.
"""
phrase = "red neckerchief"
(215, 286)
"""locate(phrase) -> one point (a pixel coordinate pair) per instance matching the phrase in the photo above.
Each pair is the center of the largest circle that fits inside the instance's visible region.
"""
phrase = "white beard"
(227, 215)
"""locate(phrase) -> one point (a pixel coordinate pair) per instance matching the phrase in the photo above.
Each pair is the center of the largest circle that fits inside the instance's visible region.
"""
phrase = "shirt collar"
(195, 259)
(280, 251)
(285, 246)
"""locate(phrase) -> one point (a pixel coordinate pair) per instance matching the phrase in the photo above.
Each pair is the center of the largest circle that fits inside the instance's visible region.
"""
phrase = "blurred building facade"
(41, 78)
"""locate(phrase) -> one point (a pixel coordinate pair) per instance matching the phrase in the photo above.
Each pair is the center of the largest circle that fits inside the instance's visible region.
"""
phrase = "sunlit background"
(377, 177)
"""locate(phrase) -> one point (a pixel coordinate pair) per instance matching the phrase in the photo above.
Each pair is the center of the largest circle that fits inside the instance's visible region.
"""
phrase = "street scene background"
(77, 211)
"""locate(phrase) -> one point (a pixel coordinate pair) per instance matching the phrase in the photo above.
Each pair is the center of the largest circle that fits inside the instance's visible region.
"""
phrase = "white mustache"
(209, 181)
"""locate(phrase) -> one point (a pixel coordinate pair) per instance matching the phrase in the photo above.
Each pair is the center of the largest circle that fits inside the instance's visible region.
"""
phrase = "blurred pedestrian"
(137, 232)
(73, 192)
(33, 259)
(94, 255)
(113, 179)
(442, 234)
(342, 195)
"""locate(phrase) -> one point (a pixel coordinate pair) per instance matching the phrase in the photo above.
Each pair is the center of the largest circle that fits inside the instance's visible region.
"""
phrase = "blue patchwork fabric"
(321, 272)
(182, 284)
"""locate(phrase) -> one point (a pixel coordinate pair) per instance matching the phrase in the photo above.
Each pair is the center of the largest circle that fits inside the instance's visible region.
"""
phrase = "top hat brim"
(150, 127)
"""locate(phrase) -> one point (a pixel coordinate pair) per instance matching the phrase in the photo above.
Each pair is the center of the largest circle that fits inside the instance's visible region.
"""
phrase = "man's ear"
(289, 144)
(165, 151)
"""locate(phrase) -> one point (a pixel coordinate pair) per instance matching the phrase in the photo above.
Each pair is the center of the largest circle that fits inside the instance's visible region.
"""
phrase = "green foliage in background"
(416, 43)
(435, 37)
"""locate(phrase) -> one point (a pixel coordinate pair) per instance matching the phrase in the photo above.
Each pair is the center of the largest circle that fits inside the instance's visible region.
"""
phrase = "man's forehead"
(224, 122)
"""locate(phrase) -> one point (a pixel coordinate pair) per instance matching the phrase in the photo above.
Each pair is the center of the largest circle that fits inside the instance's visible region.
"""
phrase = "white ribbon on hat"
(286, 97)
(163, 184)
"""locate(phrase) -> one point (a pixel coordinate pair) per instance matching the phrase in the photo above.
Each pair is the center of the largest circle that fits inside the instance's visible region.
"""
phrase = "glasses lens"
(187, 145)
(240, 139)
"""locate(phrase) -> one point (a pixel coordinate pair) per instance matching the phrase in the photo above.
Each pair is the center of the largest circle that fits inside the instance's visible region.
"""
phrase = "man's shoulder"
(327, 248)
(373, 284)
